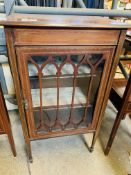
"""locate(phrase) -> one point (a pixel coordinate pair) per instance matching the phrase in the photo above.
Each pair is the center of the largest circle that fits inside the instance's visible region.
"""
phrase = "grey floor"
(69, 155)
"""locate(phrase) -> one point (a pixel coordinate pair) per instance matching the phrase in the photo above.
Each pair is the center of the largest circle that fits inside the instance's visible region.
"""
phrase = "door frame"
(24, 52)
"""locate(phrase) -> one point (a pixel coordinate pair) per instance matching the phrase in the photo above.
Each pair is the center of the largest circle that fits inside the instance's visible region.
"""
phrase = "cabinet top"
(66, 21)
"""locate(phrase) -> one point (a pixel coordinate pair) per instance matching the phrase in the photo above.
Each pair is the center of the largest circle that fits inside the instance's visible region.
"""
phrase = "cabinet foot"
(30, 159)
(106, 152)
(29, 153)
(91, 149)
(11, 140)
(93, 142)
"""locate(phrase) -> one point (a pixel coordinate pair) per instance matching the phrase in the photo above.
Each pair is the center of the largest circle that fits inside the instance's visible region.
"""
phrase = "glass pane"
(64, 90)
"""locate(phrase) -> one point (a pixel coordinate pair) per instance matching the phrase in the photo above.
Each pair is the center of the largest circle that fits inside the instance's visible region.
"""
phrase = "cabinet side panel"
(13, 65)
(110, 80)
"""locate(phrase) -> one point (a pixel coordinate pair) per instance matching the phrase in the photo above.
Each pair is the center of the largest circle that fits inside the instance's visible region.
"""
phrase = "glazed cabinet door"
(63, 87)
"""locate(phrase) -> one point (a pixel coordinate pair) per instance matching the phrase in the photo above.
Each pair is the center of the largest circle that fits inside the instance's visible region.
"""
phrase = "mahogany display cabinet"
(63, 67)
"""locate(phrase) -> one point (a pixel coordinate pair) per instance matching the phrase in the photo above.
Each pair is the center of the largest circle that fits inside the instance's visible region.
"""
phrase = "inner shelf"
(49, 96)
(63, 119)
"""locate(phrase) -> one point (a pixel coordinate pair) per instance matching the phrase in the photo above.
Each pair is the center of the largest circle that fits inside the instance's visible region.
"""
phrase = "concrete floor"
(69, 155)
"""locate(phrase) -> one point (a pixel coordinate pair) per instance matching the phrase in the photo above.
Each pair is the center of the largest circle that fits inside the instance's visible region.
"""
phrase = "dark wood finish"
(97, 41)
(124, 107)
(5, 126)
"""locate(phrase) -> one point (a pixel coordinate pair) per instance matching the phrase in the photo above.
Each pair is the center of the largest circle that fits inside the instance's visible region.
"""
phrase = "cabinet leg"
(93, 142)
(29, 152)
(107, 150)
(113, 132)
(12, 144)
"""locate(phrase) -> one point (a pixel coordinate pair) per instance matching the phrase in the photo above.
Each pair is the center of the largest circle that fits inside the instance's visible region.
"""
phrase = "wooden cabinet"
(63, 71)
(5, 126)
